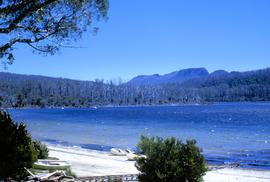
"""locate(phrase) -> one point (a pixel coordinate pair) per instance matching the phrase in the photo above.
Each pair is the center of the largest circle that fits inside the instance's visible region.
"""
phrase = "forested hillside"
(220, 86)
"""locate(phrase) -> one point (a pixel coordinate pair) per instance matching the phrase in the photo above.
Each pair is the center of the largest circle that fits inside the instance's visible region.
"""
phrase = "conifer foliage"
(17, 150)
(170, 160)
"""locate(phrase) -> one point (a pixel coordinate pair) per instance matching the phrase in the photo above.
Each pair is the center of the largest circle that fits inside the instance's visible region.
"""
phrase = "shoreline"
(212, 161)
(139, 105)
(86, 163)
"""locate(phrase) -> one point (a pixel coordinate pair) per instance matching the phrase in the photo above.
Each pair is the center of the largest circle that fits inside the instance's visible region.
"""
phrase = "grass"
(36, 166)
(52, 158)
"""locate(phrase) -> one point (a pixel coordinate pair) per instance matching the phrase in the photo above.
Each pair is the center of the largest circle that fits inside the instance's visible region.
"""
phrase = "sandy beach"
(96, 163)
(93, 163)
(237, 175)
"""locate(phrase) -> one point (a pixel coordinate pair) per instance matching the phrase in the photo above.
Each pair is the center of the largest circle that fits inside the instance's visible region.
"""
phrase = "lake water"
(227, 133)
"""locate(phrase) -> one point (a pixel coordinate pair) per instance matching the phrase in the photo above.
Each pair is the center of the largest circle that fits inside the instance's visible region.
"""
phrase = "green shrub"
(41, 149)
(170, 160)
(17, 150)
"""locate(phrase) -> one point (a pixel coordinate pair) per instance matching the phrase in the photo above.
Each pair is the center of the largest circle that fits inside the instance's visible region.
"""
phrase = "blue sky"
(154, 36)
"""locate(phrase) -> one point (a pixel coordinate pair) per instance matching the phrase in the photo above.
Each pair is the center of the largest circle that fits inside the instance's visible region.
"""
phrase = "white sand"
(95, 163)
(237, 175)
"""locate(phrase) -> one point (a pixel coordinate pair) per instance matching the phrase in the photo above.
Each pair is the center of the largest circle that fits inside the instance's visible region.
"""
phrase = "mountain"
(194, 85)
(219, 73)
(173, 77)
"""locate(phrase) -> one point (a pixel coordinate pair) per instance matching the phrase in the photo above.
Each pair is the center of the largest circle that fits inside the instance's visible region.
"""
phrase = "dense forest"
(39, 91)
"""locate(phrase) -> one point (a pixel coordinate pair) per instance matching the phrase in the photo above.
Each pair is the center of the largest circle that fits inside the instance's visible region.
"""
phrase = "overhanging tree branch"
(32, 8)
(46, 25)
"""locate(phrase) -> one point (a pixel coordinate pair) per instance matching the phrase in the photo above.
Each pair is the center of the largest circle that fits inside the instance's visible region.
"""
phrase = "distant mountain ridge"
(176, 76)
(194, 85)
(219, 73)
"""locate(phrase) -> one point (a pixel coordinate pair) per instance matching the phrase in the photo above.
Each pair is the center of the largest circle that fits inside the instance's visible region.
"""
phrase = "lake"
(227, 133)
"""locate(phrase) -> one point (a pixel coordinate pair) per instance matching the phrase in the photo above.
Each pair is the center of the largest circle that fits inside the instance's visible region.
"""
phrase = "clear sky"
(154, 36)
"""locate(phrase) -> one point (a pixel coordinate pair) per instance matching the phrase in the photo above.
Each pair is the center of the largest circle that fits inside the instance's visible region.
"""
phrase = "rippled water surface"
(227, 133)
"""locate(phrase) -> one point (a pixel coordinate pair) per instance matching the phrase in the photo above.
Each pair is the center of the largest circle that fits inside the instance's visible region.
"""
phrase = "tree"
(46, 25)
(170, 160)
(17, 149)
(41, 149)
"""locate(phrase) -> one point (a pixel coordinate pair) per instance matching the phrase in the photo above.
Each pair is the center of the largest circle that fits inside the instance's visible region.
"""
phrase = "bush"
(17, 150)
(41, 149)
(170, 160)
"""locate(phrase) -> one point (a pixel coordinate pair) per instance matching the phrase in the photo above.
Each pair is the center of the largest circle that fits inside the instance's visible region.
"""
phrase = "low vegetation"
(18, 150)
(170, 160)
(41, 149)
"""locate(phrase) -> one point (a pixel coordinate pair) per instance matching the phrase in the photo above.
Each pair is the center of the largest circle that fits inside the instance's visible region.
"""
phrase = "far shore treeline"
(39, 91)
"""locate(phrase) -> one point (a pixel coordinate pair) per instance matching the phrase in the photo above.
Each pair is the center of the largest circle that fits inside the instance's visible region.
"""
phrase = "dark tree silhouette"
(17, 149)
